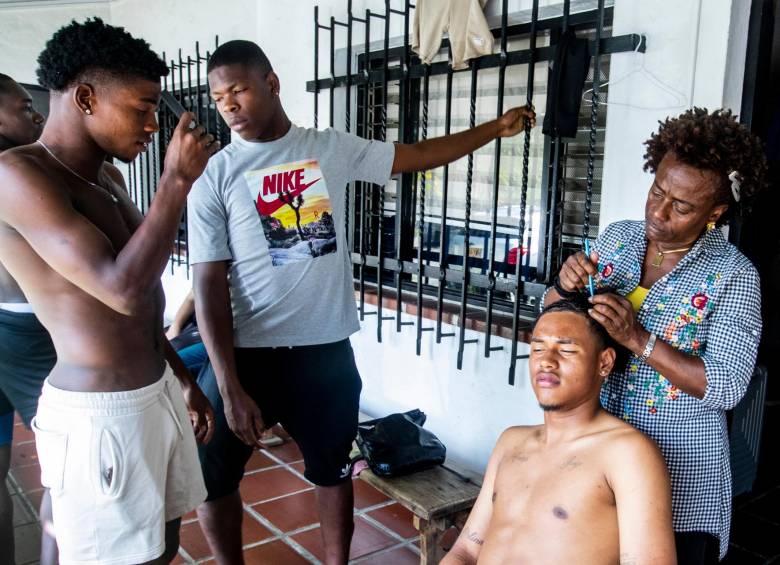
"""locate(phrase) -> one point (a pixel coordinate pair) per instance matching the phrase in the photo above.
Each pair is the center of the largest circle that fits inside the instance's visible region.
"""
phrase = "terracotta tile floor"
(280, 519)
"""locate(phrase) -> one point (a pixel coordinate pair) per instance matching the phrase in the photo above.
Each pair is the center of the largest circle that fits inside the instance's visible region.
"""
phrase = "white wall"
(177, 24)
(696, 47)
(24, 32)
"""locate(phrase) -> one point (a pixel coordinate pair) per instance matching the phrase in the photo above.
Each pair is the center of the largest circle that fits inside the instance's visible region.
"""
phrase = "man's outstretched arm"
(640, 481)
(81, 253)
(439, 151)
(469, 543)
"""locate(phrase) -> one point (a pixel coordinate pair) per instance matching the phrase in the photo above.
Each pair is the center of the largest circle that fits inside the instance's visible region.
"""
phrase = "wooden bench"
(439, 498)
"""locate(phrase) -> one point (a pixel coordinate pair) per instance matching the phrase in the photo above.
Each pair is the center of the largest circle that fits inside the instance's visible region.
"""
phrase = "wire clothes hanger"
(680, 100)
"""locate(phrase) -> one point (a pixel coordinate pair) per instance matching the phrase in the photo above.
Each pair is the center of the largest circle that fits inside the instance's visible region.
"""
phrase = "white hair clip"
(735, 185)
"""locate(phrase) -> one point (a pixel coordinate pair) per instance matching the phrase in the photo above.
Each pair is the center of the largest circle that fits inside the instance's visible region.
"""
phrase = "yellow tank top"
(637, 296)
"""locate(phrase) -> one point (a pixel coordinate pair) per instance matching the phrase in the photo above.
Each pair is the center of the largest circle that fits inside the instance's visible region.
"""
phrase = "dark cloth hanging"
(569, 69)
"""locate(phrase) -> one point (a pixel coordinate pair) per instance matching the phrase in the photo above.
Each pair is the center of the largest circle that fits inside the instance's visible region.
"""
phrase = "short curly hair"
(579, 304)
(714, 142)
(78, 49)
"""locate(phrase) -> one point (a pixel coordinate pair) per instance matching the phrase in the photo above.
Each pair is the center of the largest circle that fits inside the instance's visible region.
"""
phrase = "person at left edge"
(26, 352)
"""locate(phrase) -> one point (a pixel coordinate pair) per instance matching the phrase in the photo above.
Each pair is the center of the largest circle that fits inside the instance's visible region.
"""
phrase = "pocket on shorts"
(52, 448)
(108, 463)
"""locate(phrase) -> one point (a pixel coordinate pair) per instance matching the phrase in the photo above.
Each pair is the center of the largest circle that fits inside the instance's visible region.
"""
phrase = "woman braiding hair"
(686, 304)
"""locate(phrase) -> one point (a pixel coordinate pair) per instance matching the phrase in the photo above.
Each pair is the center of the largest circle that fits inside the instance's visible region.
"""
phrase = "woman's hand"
(617, 316)
(576, 269)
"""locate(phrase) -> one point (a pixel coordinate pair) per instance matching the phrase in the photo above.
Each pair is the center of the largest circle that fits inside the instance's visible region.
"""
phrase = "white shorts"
(119, 466)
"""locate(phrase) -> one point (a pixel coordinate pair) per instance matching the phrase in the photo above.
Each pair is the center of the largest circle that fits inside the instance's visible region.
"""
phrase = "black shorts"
(27, 357)
(313, 391)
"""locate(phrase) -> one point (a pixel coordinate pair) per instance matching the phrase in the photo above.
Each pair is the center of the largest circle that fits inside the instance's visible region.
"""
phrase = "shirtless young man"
(584, 487)
(112, 429)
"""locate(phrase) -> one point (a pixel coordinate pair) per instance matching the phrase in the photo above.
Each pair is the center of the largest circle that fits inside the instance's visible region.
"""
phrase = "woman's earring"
(88, 111)
(710, 226)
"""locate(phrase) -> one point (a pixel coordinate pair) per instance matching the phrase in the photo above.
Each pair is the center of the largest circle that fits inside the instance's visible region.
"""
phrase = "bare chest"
(558, 490)
(97, 206)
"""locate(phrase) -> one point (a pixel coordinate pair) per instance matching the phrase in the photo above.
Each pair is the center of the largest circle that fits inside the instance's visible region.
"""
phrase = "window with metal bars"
(552, 229)
(473, 243)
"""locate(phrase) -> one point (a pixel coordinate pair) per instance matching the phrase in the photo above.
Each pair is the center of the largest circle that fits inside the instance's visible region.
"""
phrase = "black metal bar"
(496, 174)
(173, 77)
(183, 100)
(453, 275)
(380, 317)
(364, 187)
(208, 99)
(594, 113)
(524, 193)
(181, 80)
(405, 187)
(348, 115)
(607, 45)
(421, 243)
(165, 78)
(332, 68)
(316, 90)
(443, 239)
(197, 85)
(189, 83)
(467, 227)
(148, 190)
(133, 185)
(583, 20)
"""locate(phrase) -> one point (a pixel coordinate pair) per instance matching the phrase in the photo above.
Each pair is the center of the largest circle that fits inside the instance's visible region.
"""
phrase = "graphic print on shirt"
(295, 211)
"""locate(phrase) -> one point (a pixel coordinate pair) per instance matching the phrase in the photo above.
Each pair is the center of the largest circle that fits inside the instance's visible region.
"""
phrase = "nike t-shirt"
(275, 211)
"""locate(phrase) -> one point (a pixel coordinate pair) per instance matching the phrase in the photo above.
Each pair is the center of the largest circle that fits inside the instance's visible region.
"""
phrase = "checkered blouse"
(709, 305)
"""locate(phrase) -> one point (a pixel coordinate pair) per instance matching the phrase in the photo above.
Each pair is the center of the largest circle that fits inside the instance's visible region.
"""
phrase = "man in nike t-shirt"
(274, 291)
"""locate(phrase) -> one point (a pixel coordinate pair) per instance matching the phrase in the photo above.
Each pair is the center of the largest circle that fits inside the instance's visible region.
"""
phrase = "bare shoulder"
(24, 166)
(625, 447)
(24, 178)
(113, 173)
(517, 436)
(20, 160)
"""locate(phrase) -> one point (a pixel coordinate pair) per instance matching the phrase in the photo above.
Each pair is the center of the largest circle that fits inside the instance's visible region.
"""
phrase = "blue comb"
(591, 288)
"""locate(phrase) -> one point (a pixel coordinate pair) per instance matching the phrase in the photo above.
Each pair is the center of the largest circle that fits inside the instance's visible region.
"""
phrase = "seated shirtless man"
(584, 487)
(112, 429)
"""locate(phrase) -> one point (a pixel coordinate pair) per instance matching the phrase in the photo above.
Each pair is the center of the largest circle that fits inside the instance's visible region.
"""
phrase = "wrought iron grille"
(484, 235)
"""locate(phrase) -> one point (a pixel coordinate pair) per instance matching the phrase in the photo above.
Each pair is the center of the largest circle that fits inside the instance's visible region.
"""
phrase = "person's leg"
(194, 357)
(222, 461)
(6, 506)
(335, 507)
(321, 414)
(220, 519)
(27, 355)
(171, 543)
